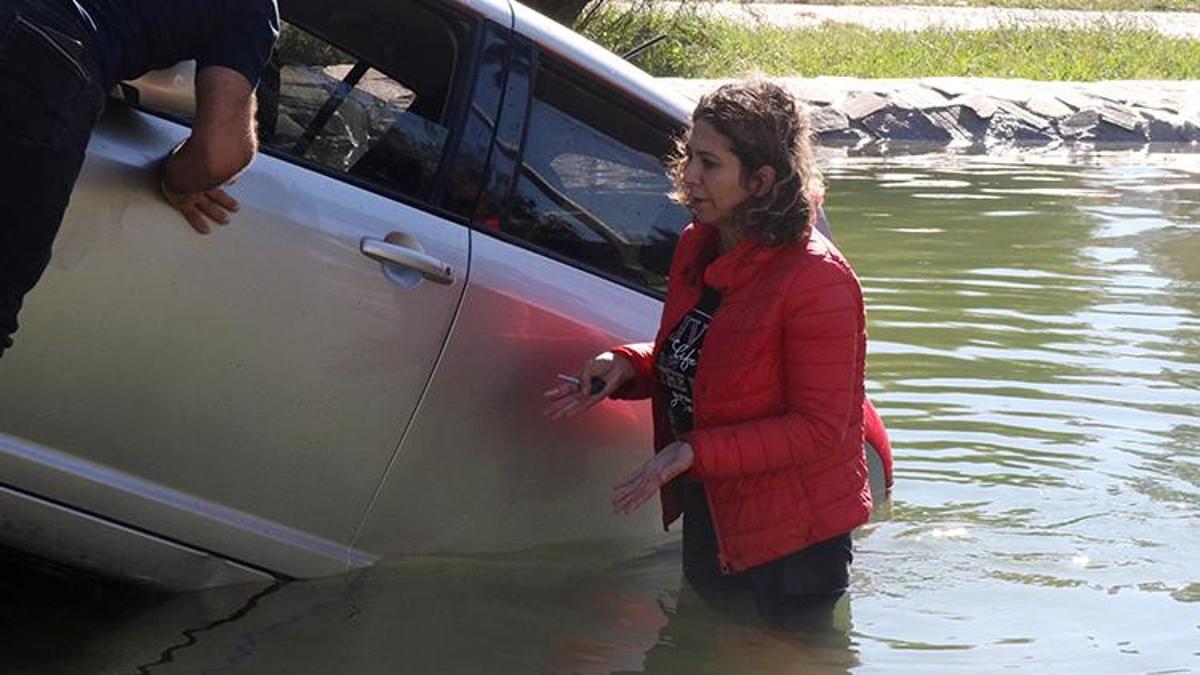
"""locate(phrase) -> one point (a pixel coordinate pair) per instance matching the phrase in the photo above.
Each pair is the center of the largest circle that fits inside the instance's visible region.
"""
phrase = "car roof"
(583, 54)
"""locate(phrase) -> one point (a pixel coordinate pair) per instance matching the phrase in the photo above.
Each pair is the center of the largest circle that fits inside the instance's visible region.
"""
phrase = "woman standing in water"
(756, 374)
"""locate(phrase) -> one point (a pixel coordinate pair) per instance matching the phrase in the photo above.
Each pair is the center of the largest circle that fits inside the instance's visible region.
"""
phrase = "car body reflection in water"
(552, 611)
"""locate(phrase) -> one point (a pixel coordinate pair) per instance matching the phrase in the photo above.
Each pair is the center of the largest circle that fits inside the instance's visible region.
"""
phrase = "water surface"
(1035, 350)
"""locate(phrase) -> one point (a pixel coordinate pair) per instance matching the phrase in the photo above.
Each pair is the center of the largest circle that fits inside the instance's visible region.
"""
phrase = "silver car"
(455, 201)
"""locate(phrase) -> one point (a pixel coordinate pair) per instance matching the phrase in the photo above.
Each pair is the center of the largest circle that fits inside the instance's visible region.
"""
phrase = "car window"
(359, 106)
(592, 184)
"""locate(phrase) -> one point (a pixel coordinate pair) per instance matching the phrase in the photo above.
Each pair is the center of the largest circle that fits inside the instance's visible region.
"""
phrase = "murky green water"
(1035, 350)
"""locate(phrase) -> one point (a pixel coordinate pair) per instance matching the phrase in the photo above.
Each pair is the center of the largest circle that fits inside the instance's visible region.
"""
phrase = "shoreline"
(935, 114)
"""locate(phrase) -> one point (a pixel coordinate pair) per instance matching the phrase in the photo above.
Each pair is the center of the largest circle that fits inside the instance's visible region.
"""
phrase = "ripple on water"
(1061, 386)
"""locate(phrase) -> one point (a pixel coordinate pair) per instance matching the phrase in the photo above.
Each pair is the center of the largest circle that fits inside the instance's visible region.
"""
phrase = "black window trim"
(619, 99)
(464, 92)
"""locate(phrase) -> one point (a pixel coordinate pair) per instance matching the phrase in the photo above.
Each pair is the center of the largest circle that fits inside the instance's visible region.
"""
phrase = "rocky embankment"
(989, 114)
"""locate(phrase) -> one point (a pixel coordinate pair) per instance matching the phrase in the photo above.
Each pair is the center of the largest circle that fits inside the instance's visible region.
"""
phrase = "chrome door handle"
(430, 267)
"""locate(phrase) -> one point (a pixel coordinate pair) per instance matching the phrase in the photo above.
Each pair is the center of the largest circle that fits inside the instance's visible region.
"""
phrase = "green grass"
(1093, 5)
(704, 47)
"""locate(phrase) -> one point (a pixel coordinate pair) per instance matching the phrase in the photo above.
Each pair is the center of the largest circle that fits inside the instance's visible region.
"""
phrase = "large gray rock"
(1025, 116)
(1080, 126)
(1121, 116)
(1095, 126)
(918, 97)
(846, 137)
(826, 119)
(981, 105)
(863, 104)
(1164, 127)
(964, 125)
(899, 124)
(1009, 130)
(1048, 107)
(1191, 127)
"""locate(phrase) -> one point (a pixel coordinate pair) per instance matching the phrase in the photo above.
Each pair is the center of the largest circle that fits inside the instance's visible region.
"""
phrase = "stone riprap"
(989, 114)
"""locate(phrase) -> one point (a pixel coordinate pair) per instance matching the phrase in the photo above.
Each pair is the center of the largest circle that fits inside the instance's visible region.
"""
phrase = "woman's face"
(712, 177)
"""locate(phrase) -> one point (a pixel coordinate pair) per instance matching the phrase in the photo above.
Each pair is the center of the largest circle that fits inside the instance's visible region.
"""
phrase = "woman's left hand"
(641, 485)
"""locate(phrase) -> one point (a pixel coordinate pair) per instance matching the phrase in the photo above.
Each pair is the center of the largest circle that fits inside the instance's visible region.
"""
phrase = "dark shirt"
(679, 356)
(819, 571)
(136, 36)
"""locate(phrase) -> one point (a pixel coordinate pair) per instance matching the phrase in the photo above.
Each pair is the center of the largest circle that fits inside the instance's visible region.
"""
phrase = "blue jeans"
(51, 91)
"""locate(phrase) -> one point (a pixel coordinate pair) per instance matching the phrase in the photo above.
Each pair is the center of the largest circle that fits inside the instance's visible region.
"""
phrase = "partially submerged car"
(455, 201)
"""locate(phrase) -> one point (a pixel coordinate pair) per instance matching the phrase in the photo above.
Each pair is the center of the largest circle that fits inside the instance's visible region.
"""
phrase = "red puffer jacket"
(778, 409)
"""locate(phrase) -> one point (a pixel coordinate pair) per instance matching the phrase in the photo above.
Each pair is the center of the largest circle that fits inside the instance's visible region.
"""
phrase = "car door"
(574, 236)
(252, 386)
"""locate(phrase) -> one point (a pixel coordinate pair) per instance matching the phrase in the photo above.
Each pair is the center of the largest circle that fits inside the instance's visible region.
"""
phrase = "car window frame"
(457, 104)
(619, 100)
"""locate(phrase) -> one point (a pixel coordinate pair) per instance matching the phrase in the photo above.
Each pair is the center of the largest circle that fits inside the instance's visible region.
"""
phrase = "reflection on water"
(1035, 349)
(552, 611)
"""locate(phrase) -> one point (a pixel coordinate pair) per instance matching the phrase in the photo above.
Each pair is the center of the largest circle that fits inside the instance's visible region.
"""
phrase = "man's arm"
(222, 144)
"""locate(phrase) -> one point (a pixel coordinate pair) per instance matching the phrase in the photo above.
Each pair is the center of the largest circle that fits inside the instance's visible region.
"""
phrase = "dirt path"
(910, 17)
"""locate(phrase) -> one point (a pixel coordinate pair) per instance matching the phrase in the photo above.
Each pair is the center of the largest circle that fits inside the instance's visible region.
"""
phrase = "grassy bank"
(706, 47)
(1089, 5)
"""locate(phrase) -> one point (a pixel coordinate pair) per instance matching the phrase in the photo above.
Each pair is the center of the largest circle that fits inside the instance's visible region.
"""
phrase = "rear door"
(574, 236)
(270, 368)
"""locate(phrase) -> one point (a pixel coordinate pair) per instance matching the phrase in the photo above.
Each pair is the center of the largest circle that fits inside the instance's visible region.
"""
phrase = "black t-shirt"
(135, 36)
(679, 356)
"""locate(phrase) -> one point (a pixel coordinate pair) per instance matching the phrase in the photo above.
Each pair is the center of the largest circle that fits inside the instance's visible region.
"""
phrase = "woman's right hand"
(570, 399)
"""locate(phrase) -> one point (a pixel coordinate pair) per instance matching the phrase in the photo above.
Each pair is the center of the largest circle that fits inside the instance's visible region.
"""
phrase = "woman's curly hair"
(765, 127)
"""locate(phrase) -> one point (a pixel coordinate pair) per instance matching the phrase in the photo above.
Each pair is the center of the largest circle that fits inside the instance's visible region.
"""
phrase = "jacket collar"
(732, 269)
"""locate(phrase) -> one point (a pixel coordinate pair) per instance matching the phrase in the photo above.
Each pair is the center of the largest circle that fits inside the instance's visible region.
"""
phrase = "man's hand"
(222, 144)
(641, 485)
(200, 207)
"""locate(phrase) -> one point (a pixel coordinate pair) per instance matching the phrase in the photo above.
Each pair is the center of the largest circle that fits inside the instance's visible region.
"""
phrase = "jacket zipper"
(49, 39)
(722, 559)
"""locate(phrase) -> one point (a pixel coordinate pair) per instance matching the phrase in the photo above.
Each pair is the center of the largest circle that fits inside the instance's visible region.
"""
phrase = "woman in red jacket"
(756, 375)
